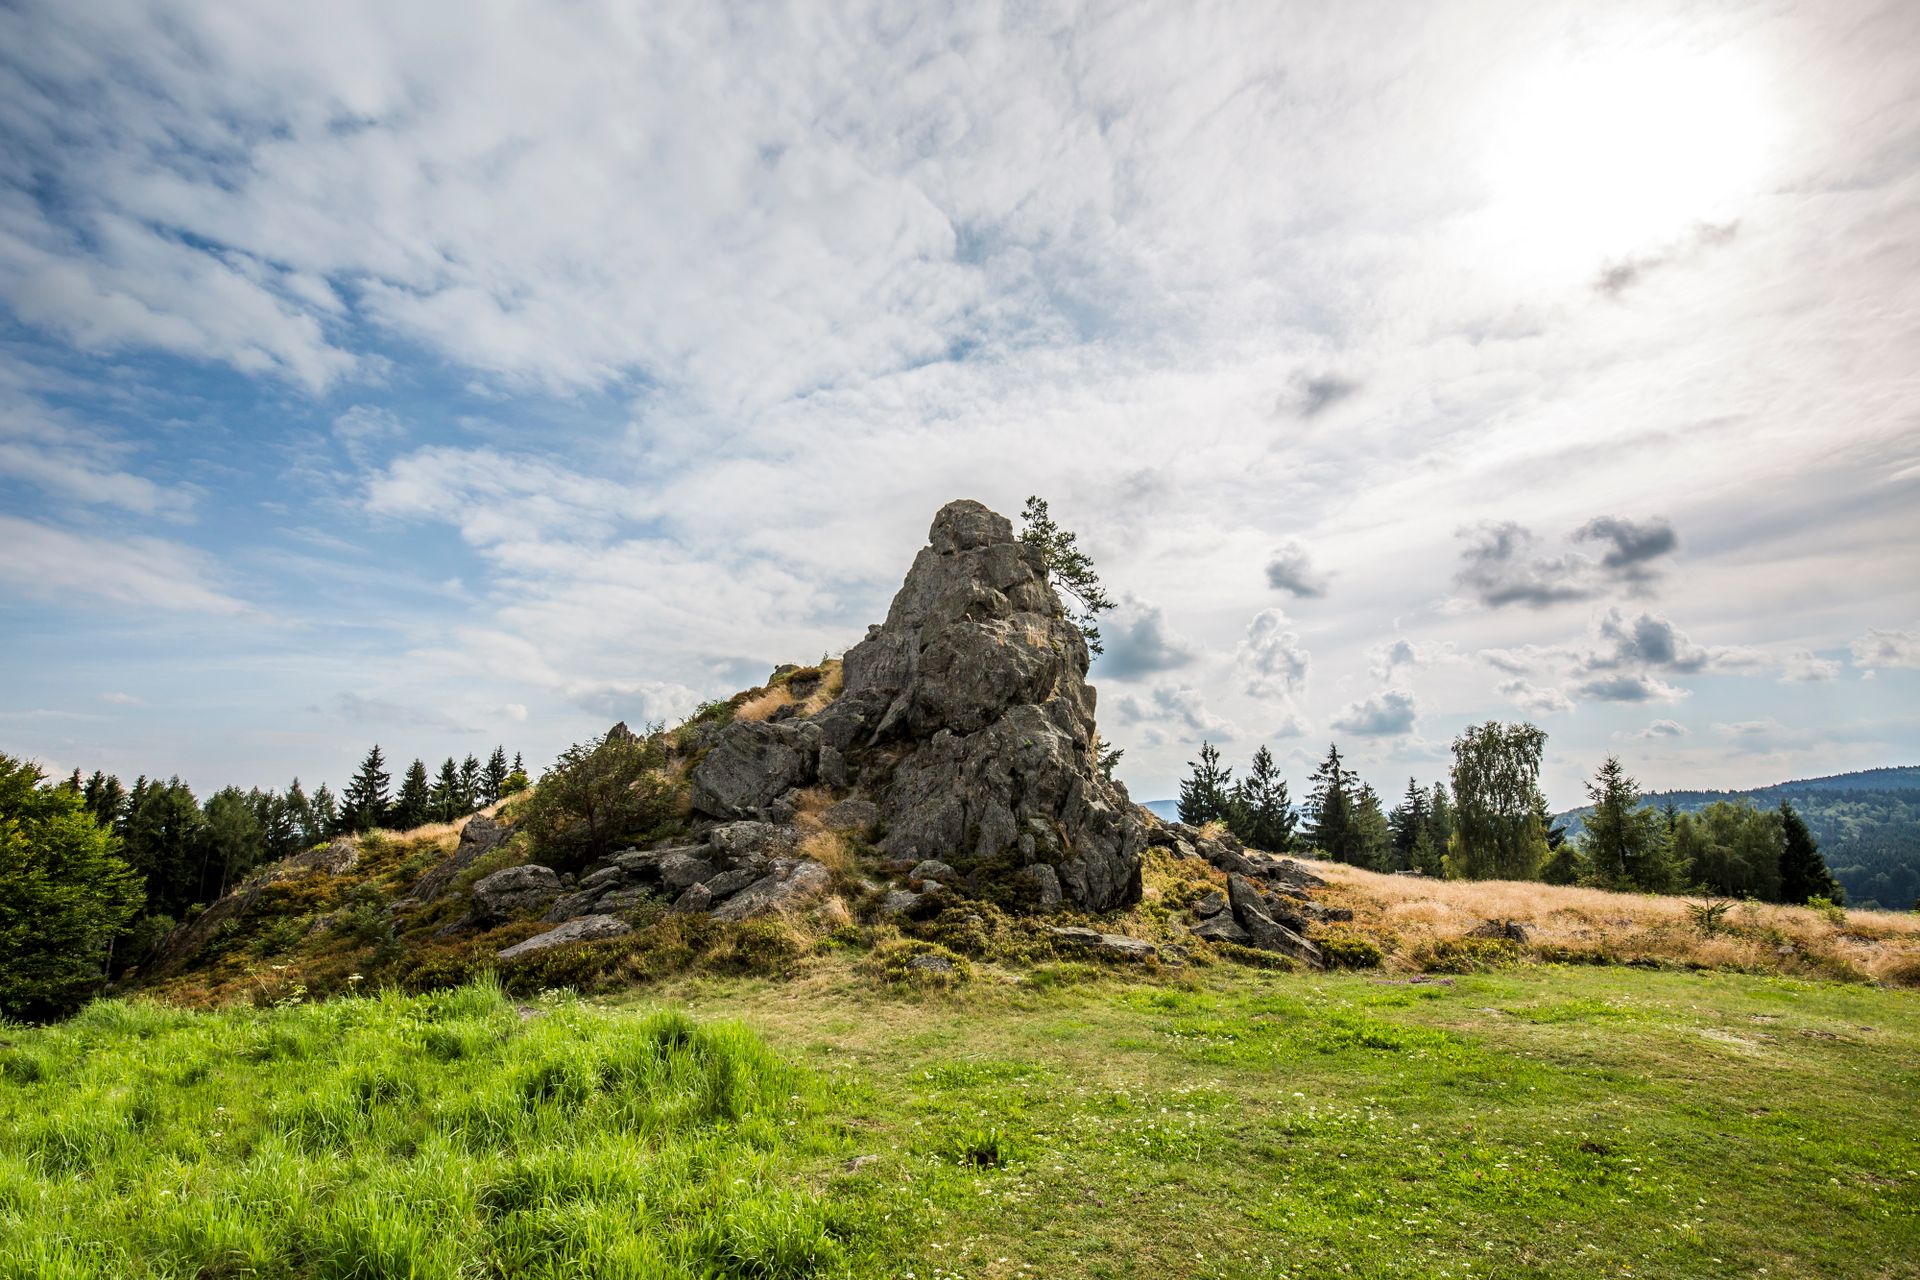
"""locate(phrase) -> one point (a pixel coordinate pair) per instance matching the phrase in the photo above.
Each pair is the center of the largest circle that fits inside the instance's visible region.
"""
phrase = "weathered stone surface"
(697, 898)
(747, 844)
(933, 869)
(335, 858)
(931, 964)
(679, 870)
(752, 764)
(973, 698)
(852, 814)
(898, 902)
(513, 890)
(585, 929)
(1045, 884)
(787, 886)
(1222, 928)
(731, 882)
(481, 836)
(1113, 946)
(1211, 905)
(1263, 931)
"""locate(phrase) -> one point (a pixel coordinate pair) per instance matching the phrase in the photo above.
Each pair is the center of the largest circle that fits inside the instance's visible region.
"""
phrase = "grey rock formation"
(968, 715)
(788, 885)
(585, 929)
(517, 889)
(1045, 885)
(851, 815)
(1252, 909)
(1115, 946)
(1222, 928)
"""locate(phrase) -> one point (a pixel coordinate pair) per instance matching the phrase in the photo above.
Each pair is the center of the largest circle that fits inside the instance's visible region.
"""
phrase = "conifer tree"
(1263, 814)
(1070, 568)
(412, 806)
(1330, 808)
(1623, 841)
(445, 796)
(494, 780)
(1803, 872)
(1409, 821)
(1204, 795)
(232, 841)
(1372, 835)
(300, 811)
(163, 843)
(365, 803)
(470, 783)
(326, 814)
(105, 798)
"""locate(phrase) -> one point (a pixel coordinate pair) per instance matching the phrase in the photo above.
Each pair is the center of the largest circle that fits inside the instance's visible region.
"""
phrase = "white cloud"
(1803, 666)
(1139, 641)
(1271, 658)
(1387, 713)
(1883, 647)
(1291, 570)
(148, 573)
(1534, 699)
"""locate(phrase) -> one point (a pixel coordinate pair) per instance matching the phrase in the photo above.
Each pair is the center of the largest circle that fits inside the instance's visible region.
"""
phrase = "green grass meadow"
(1063, 1122)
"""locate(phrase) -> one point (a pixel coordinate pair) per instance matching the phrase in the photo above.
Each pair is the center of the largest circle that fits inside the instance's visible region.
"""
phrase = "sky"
(444, 375)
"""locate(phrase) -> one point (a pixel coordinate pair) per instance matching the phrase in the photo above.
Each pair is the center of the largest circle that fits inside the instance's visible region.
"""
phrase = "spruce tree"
(445, 796)
(470, 784)
(1335, 788)
(326, 814)
(1263, 811)
(300, 810)
(1803, 872)
(412, 807)
(1623, 842)
(1204, 795)
(366, 801)
(1372, 834)
(494, 780)
(1408, 820)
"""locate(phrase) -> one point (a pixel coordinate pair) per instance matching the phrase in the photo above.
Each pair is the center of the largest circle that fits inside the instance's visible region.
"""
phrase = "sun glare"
(1610, 153)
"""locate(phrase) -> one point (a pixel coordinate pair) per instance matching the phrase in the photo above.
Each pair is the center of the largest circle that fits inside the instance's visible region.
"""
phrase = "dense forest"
(1868, 824)
(128, 863)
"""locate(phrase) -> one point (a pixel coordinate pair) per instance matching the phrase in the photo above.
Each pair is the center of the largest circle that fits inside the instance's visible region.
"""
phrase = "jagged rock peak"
(966, 716)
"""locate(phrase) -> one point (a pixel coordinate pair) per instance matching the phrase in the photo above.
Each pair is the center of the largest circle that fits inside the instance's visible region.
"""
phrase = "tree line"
(1489, 820)
(123, 865)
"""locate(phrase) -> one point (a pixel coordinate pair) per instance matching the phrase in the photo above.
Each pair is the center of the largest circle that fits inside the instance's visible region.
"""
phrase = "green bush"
(601, 794)
(1349, 951)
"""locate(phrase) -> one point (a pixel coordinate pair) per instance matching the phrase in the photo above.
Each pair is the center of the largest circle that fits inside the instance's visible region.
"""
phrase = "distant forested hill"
(1867, 823)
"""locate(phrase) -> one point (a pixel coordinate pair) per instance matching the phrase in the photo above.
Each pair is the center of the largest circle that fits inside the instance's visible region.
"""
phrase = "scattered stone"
(585, 929)
(788, 886)
(514, 890)
(898, 902)
(728, 883)
(680, 870)
(481, 836)
(697, 898)
(1222, 928)
(1263, 931)
(931, 964)
(1502, 930)
(933, 869)
(1212, 905)
(1113, 946)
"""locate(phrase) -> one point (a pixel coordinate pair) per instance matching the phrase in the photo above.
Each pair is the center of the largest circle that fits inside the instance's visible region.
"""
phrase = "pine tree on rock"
(493, 781)
(1070, 568)
(365, 803)
(412, 807)
(1803, 872)
(1204, 795)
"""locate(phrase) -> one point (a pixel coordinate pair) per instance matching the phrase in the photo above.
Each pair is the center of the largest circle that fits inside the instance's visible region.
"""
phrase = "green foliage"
(1803, 872)
(1334, 826)
(1625, 844)
(65, 894)
(413, 806)
(1261, 812)
(1349, 951)
(1205, 794)
(1733, 849)
(1497, 807)
(1070, 568)
(1710, 917)
(599, 794)
(364, 804)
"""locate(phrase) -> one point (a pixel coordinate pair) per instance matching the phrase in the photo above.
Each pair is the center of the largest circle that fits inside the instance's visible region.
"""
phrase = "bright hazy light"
(1613, 152)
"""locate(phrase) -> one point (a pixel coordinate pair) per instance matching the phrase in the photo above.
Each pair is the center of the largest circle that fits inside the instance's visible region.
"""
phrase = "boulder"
(751, 764)
(516, 889)
(933, 869)
(1211, 905)
(788, 886)
(1045, 884)
(1501, 930)
(1112, 946)
(747, 844)
(898, 902)
(852, 814)
(481, 836)
(1263, 931)
(585, 929)
(697, 898)
(939, 966)
(679, 870)
(728, 883)
(1222, 928)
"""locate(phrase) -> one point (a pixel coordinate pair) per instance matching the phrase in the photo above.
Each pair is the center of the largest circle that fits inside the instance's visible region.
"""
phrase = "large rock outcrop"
(967, 717)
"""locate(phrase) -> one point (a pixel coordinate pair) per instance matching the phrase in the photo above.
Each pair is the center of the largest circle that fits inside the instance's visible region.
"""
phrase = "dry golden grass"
(764, 704)
(1408, 915)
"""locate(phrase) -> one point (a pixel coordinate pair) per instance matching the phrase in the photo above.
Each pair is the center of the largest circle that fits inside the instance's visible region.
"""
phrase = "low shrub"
(1349, 951)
